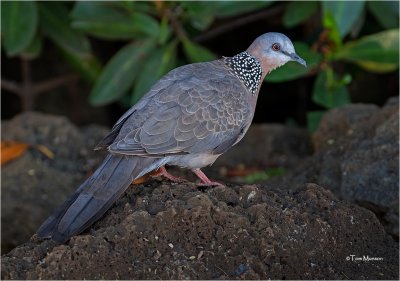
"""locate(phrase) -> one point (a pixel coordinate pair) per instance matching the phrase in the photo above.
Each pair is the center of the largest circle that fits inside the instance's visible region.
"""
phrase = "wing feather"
(187, 112)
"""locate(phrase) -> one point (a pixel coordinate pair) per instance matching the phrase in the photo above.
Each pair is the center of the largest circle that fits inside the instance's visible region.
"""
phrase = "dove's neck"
(267, 63)
(248, 69)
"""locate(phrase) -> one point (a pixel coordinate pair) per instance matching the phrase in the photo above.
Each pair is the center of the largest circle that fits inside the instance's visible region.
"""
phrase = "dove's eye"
(276, 47)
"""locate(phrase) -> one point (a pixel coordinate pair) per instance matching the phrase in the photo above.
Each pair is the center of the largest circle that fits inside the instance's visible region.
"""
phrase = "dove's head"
(273, 50)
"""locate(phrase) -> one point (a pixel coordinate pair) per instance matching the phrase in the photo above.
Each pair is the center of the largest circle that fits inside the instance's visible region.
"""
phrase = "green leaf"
(160, 62)
(297, 12)
(88, 66)
(345, 13)
(386, 12)
(234, 8)
(330, 92)
(55, 23)
(102, 20)
(201, 21)
(293, 70)
(202, 13)
(119, 73)
(34, 49)
(378, 52)
(331, 26)
(165, 31)
(146, 7)
(19, 21)
(86, 10)
(199, 13)
(197, 53)
(265, 175)
(313, 120)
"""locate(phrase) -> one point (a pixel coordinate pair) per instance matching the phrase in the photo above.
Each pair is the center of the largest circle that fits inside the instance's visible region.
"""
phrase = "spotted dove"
(188, 118)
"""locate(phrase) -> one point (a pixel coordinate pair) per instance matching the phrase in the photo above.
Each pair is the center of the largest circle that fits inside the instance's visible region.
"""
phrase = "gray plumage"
(189, 117)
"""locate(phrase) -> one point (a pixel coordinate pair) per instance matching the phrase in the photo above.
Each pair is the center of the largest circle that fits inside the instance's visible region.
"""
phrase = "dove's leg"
(163, 172)
(204, 179)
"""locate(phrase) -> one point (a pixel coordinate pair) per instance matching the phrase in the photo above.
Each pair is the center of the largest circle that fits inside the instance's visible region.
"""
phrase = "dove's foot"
(163, 172)
(205, 181)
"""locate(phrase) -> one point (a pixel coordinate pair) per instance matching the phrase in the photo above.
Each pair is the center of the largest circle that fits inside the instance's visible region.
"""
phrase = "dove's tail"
(95, 196)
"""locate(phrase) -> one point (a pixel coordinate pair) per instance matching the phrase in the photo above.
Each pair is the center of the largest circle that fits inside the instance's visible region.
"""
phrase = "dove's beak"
(297, 58)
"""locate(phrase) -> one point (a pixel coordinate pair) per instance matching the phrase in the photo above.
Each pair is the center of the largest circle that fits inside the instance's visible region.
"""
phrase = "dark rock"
(357, 157)
(33, 185)
(393, 101)
(264, 146)
(238, 232)
(339, 123)
(274, 144)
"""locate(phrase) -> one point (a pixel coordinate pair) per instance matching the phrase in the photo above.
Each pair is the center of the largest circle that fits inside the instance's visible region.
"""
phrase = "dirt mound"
(282, 229)
(34, 185)
(168, 231)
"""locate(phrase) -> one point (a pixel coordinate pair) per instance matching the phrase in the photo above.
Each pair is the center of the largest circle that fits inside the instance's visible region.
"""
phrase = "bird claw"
(210, 183)
(163, 172)
(205, 181)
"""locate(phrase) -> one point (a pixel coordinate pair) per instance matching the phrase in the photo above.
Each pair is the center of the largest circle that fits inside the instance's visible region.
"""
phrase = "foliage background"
(110, 53)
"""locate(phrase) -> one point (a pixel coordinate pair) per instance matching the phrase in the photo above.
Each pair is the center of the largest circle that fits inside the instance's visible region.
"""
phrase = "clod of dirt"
(173, 231)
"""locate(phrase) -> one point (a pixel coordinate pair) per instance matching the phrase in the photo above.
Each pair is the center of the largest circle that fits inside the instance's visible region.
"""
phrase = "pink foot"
(205, 181)
(163, 172)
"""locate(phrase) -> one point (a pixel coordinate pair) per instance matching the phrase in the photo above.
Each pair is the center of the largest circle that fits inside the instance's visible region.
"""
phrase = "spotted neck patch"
(246, 68)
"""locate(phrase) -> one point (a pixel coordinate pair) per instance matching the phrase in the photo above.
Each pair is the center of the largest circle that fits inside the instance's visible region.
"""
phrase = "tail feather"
(95, 196)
